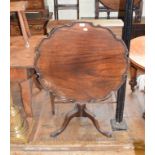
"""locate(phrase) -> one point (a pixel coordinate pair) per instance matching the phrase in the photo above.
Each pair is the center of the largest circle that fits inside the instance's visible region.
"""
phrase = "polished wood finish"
(33, 4)
(37, 15)
(117, 4)
(109, 6)
(115, 25)
(58, 7)
(20, 7)
(79, 72)
(37, 21)
(22, 57)
(137, 52)
(83, 63)
(36, 4)
(137, 59)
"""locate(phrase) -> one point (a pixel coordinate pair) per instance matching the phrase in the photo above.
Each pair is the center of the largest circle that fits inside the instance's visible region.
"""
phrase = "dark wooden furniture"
(20, 8)
(138, 28)
(137, 59)
(115, 25)
(117, 6)
(78, 64)
(33, 4)
(58, 7)
(37, 15)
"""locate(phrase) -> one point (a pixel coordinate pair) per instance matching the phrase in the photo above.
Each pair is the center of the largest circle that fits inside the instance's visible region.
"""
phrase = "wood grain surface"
(117, 4)
(137, 52)
(20, 56)
(18, 6)
(115, 25)
(81, 62)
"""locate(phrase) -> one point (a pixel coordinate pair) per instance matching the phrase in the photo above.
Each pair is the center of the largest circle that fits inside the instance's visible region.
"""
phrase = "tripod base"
(80, 111)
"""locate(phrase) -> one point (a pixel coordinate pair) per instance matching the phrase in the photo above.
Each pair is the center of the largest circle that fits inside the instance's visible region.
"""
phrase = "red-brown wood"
(117, 4)
(81, 62)
(21, 68)
(18, 6)
(137, 59)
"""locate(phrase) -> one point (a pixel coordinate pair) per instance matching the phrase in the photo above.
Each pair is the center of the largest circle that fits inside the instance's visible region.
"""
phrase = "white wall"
(87, 9)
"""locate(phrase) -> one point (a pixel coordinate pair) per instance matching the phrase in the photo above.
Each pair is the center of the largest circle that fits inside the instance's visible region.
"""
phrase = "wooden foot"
(80, 111)
(96, 124)
(133, 74)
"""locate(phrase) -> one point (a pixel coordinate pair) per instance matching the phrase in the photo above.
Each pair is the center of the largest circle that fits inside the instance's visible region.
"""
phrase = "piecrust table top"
(81, 62)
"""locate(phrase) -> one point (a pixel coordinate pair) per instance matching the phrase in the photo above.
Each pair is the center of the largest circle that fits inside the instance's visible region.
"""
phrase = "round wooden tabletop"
(137, 52)
(81, 62)
(117, 4)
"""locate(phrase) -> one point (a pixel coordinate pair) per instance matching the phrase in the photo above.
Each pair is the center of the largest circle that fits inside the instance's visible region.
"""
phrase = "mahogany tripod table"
(81, 63)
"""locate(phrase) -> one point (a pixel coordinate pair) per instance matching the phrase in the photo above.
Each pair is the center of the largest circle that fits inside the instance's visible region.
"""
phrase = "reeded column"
(18, 125)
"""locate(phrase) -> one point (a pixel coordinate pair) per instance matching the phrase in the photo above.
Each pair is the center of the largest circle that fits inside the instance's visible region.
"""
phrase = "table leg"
(138, 12)
(96, 9)
(26, 24)
(23, 28)
(26, 91)
(133, 75)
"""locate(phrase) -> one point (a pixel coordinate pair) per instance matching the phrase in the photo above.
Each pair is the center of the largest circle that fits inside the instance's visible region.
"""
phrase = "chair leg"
(133, 75)
(138, 12)
(56, 9)
(80, 111)
(96, 9)
(108, 14)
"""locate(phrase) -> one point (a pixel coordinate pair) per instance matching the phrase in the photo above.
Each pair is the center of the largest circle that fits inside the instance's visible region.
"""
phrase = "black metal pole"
(126, 37)
(128, 22)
